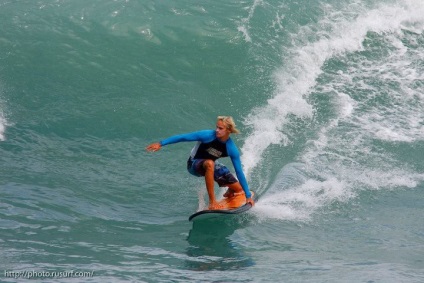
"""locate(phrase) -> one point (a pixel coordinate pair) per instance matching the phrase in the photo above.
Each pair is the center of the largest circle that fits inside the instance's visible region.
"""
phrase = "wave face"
(350, 86)
(329, 98)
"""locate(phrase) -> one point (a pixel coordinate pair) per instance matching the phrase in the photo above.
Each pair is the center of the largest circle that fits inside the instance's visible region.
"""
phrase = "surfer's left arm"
(235, 158)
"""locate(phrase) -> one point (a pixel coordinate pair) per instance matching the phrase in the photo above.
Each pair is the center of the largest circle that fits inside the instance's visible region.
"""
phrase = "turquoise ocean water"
(329, 98)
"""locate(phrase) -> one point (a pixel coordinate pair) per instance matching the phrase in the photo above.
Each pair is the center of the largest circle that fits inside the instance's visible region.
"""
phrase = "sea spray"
(374, 98)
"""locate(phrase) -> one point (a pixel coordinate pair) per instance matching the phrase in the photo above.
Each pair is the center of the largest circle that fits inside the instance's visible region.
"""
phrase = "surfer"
(211, 145)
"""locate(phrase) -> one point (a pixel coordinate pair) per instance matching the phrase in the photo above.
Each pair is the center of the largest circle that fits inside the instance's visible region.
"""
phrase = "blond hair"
(229, 123)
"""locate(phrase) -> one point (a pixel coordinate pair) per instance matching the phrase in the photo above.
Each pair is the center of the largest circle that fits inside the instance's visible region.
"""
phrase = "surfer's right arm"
(203, 136)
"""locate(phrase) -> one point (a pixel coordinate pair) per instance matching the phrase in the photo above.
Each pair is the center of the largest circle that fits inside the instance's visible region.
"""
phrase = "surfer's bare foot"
(215, 206)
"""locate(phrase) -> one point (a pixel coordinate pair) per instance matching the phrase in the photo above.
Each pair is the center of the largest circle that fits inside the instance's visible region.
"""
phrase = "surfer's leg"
(233, 190)
(209, 167)
(224, 178)
(228, 194)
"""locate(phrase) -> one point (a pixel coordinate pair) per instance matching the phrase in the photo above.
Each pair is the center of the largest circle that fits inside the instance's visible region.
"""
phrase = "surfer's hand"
(153, 147)
(251, 201)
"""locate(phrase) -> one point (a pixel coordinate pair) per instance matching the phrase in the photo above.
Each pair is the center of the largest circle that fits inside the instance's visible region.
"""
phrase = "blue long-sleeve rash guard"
(207, 136)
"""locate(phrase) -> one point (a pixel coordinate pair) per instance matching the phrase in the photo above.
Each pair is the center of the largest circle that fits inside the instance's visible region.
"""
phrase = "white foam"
(295, 80)
(3, 124)
(299, 203)
(401, 120)
(2, 128)
(342, 160)
(245, 22)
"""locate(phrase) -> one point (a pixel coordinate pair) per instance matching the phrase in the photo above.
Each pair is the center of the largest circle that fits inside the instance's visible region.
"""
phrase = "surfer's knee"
(209, 165)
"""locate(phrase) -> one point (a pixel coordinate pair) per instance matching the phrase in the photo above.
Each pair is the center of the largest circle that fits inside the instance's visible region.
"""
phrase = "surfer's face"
(221, 130)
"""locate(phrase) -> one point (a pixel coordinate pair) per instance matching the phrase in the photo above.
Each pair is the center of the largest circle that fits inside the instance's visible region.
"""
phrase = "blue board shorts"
(221, 174)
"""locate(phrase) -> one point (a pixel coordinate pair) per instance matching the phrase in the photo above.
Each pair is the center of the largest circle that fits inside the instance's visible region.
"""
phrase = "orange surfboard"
(231, 205)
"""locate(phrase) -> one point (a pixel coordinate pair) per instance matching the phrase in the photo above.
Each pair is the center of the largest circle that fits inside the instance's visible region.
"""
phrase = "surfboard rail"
(217, 212)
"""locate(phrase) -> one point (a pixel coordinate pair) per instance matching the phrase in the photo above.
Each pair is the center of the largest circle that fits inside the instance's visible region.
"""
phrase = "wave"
(3, 122)
(363, 60)
(2, 128)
